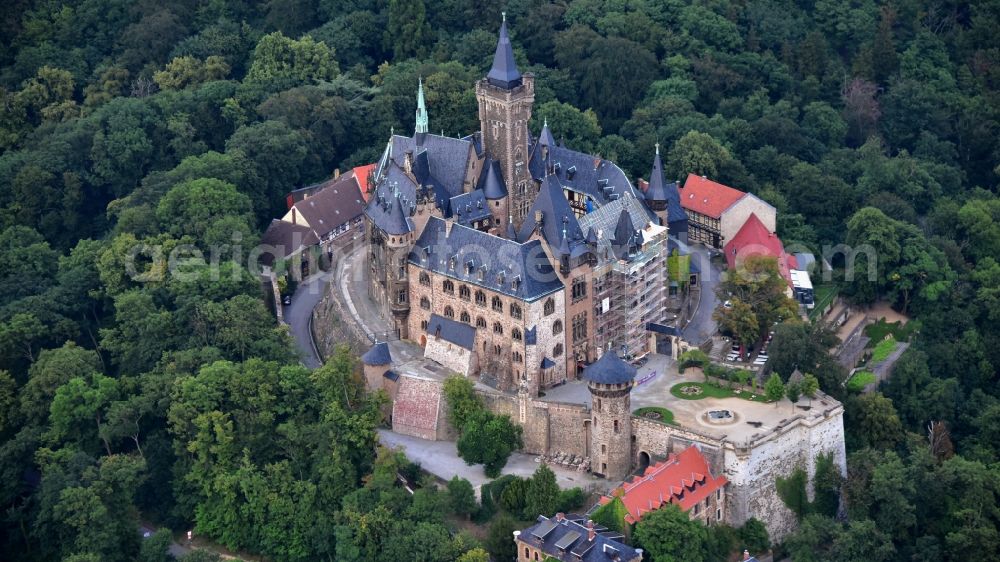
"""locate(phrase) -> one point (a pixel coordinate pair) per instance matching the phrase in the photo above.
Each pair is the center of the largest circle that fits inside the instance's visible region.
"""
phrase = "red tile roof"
(683, 479)
(708, 197)
(754, 239)
(362, 173)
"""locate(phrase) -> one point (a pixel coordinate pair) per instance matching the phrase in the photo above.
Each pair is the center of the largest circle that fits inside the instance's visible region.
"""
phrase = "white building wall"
(732, 219)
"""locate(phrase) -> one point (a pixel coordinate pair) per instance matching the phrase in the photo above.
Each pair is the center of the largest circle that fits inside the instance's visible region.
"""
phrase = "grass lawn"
(823, 295)
(883, 350)
(666, 416)
(879, 330)
(860, 380)
(712, 391)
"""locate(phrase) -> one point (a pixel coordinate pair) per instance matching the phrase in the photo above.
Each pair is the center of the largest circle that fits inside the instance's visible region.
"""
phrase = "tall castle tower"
(505, 98)
(609, 380)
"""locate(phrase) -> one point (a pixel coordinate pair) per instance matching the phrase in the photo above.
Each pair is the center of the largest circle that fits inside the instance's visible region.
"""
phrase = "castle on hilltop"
(542, 273)
(550, 255)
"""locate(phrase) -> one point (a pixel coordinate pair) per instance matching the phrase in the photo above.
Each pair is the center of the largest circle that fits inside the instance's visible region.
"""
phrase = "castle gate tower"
(609, 380)
(505, 98)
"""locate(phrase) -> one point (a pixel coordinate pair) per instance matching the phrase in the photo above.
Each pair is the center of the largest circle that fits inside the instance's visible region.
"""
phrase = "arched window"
(480, 322)
(515, 311)
(448, 287)
(517, 357)
(423, 325)
(449, 312)
(557, 350)
(515, 334)
(497, 304)
(480, 298)
(496, 350)
(424, 278)
(550, 307)
(557, 327)
(425, 303)
(497, 328)
(463, 292)
(465, 317)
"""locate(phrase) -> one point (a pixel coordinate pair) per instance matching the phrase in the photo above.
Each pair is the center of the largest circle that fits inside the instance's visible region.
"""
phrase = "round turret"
(609, 380)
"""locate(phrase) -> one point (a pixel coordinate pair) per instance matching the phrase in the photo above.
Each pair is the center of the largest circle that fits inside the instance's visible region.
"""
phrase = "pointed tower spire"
(421, 108)
(545, 138)
(504, 73)
(656, 192)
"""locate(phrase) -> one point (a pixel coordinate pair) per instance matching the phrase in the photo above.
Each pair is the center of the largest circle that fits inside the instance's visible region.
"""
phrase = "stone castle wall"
(551, 427)
(658, 440)
(752, 469)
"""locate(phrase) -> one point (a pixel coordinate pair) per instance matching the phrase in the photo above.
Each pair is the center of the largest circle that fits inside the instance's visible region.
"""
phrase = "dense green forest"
(145, 124)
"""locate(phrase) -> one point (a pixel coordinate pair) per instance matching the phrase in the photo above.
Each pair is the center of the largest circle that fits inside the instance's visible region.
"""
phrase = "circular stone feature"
(691, 390)
(653, 415)
(719, 417)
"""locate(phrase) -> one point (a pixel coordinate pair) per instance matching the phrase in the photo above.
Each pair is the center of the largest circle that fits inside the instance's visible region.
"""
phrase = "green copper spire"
(421, 108)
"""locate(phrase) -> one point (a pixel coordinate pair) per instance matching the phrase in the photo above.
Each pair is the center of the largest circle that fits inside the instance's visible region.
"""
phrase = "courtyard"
(697, 412)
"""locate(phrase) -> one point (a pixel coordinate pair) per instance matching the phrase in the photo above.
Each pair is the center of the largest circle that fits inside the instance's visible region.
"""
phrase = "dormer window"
(452, 262)
(482, 273)
(515, 283)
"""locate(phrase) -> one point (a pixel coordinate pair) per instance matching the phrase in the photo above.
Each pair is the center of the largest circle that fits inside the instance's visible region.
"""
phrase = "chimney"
(746, 555)
(336, 173)
(408, 162)
(538, 217)
(591, 533)
(294, 216)
(560, 517)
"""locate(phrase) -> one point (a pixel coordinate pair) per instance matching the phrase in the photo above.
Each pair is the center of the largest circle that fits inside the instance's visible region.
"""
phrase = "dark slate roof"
(662, 329)
(476, 139)
(338, 201)
(609, 369)
(447, 160)
(285, 238)
(554, 207)
(545, 136)
(522, 271)
(389, 205)
(491, 180)
(469, 207)
(568, 540)
(504, 73)
(377, 355)
(659, 190)
(600, 179)
(605, 222)
(458, 333)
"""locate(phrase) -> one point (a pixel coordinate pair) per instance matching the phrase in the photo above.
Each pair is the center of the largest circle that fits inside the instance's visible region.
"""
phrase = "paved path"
(701, 326)
(352, 278)
(441, 459)
(298, 315)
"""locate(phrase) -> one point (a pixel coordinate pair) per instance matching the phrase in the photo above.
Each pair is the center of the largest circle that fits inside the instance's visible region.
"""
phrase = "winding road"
(298, 316)
(702, 326)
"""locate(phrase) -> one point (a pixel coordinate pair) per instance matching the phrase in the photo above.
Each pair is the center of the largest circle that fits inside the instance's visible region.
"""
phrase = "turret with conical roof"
(609, 380)
(665, 201)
